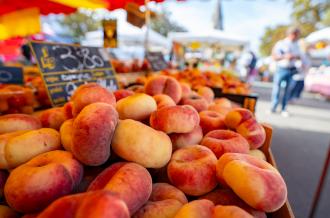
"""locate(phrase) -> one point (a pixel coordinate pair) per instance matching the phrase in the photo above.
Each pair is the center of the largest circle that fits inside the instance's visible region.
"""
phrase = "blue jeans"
(296, 88)
(282, 74)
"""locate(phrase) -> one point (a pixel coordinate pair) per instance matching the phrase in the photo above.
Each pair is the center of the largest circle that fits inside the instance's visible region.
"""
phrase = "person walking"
(285, 53)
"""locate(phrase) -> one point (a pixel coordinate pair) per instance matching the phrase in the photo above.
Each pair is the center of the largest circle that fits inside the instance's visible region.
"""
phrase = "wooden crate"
(285, 211)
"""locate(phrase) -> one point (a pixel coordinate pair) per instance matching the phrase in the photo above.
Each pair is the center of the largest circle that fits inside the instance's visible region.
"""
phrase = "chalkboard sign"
(65, 67)
(156, 60)
(11, 75)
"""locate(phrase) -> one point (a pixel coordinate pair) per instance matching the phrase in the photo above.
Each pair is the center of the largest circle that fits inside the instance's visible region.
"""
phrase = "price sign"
(65, 67)
(156, 60)
(11, 75)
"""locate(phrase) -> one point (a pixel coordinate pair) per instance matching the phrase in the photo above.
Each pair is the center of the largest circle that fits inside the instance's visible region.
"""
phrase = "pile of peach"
(167, 152)
(225, 80)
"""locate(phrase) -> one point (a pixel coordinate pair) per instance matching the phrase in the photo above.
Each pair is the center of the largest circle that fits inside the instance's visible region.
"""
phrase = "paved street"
(300, 143)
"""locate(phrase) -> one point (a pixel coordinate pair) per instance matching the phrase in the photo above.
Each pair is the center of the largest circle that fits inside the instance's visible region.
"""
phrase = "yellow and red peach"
(122, 93)
(66, 134)
(230, 212)
(88, 94)
(255, 181)
(92, 132)
(192, 170)
(15, 122)
(220, 109)
(137, 142)
(223, 141)
(129, 181)
(164, 85)
(100, 204)
(48, 176)
(196, 101)
(163, 191)
(68, 110)
(253, 132)
(19, 147)
(237, 116)
(206, 93)
(180, 140)
(211, 120)
(223, 102)
(258, 154)
(163, 101)
(51, 118)
(137, 107)
(196, 209)
(175, 119)
(186, 90)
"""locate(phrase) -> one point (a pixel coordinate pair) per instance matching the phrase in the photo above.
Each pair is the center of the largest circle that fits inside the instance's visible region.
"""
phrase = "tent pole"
(147, 21)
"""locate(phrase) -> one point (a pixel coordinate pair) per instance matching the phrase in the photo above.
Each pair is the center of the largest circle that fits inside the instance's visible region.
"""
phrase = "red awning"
(116, 4)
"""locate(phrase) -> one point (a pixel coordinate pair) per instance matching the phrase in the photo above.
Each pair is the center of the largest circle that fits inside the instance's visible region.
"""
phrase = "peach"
(68, 110)
(206, 93)
(137, 107)
(223, 102)
(51, 118)
(3, 179)
(196, 209)
(211, 120)
(20, 147)
(198, 102)
(122, 93)
(220, 109)
(164, 85)
(237, 116)
(255, 181)
(180, 140)
(92, 132)
(163, 191)
(230, 212)
(100, 204)
(258, 154)
(88, 94)
(186, 90)
(66, 134)
(192, 170)
(253, 132)
(129, 181)
(14, 122)
(175, 119)
(7, 212)
(223, 141)
(137, 142)
(163, 101)
(225, 196)
(48, 176)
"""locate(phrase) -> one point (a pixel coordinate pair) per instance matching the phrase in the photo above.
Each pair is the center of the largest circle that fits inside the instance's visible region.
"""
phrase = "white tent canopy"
(211, 37)
(320, 35)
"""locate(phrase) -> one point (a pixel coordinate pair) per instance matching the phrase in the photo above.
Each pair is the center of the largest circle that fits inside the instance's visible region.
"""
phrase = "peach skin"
(175, 119)
(258, 154)
(230, 212)
(192, 170)
(164, 85)
(237, 116)
(223, 141)
(88, 94)
(51, 118)
(137, 142)
(35, 184)
(211, 120)
(163, 191)
(253, 132)
(15, 122)
(186, 90)
(196, 101)
(122, 93)
(255, 181)
(196, 209)
(180, 140)
(137, 107)
(163, 101)
(129, 181)
(7, 212)
(223, 102)
(206, 93)
(220, 109)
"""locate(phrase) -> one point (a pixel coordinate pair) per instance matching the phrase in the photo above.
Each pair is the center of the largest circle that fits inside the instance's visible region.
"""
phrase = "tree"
(308, 15)
(162, 23)
(77, 24)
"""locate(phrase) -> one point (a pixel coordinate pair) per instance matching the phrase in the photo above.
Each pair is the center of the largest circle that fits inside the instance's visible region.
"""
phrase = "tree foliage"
(162, 23)
(308, 15)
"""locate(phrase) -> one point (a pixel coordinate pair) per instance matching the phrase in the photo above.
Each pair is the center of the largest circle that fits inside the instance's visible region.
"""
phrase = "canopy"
(320, 35)
(211, 37)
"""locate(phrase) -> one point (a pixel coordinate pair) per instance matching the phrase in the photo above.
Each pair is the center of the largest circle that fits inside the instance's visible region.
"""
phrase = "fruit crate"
(285, 211)
(247, 101)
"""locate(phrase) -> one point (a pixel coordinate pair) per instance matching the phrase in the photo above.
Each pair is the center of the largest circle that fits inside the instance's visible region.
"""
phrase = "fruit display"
(134, 65)
(164, 151)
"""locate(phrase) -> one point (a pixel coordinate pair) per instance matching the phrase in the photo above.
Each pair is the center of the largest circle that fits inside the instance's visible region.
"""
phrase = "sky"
(245, 18)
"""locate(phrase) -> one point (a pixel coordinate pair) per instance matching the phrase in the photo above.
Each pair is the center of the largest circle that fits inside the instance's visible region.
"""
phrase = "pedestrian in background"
(285, 53)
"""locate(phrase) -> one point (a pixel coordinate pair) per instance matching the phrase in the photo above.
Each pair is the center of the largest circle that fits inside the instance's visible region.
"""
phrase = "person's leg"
(288, 79)
(292, 90)
(300, 88)
(278, 77)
